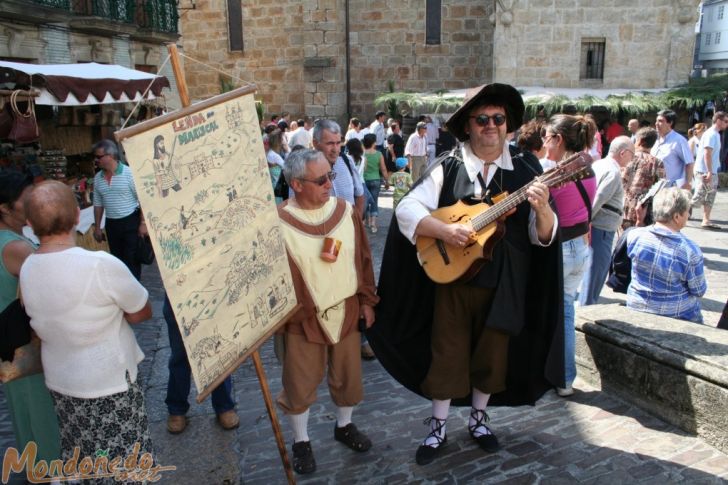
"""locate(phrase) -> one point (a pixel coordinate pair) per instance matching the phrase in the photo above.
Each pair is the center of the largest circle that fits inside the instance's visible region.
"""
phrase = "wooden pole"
(273, 417)
(179, 74)
(185, 100)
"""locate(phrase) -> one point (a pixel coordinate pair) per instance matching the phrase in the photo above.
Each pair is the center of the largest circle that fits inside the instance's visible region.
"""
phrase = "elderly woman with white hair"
(81, 304)
(667, 267)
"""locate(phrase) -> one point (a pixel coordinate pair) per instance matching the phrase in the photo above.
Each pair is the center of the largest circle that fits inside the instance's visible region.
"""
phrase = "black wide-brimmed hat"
(503, 94)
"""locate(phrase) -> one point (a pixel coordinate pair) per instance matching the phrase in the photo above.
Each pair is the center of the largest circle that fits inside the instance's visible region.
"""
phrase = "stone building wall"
(295, 51)
(273, 35)
(389, 44)
(648, 43)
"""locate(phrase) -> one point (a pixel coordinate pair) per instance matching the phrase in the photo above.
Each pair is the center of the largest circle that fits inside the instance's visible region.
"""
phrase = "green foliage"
(691, 95)
(697, 92)
(226, 83)
(260, 110)
(408, 103)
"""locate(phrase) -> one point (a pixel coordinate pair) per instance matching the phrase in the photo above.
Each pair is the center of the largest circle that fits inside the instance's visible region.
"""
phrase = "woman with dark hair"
(565, 135)
(273, 144)
(638, 176)
(355, 150)
(31, 407)
(529, 138)
(373, 171)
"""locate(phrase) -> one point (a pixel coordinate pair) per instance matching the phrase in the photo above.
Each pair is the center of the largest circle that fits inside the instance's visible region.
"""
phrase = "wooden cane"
(273, 417)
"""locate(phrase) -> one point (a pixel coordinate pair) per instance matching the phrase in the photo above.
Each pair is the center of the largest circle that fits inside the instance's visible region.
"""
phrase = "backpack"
(620, 267)
(281, 188)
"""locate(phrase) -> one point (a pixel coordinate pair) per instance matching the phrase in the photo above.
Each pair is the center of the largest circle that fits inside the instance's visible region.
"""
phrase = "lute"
(444, 263)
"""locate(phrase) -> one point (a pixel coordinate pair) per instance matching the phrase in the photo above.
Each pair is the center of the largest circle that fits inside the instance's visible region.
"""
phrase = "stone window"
(716, 41)
(235, 25)
(592, 58)
(708, 37)
(720, 12)
(433, 22)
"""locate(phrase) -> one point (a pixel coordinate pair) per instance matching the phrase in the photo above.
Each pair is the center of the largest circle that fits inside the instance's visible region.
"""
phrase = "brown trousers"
(465, 354)
(304, 365)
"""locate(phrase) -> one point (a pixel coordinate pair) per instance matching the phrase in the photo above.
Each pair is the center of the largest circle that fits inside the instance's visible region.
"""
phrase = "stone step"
(674, 369)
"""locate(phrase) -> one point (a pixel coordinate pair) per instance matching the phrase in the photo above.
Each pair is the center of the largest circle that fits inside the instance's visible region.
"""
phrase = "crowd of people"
(454, 343)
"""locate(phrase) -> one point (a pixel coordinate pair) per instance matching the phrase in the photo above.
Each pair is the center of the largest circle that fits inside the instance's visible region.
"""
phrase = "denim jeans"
(598, 267)
(373, 206)
(178, 385)
(576, 256)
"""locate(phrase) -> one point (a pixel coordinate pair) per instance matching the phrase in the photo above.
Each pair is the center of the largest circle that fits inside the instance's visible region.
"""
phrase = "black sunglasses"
(320, 181)
(483, 120)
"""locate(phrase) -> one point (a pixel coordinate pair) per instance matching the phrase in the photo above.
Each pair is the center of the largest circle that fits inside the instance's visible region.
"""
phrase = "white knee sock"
(440, 410)
(299, 423)
(343, 415)
(480, 401)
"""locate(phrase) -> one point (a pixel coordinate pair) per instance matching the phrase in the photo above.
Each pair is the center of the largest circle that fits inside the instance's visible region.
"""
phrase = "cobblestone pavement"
(591, 437)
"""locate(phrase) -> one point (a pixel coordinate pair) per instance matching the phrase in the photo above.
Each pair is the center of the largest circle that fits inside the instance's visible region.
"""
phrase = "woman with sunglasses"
(563, 136)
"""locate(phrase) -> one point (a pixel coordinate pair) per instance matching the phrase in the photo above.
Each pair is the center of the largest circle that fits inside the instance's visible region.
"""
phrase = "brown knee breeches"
(465, 354)
(304, 366)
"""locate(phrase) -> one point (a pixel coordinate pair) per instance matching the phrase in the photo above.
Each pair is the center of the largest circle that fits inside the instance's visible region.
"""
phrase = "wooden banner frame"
(253, 351)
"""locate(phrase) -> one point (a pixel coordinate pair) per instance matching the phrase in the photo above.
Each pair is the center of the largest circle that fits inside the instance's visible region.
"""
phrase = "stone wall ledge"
(674, 369)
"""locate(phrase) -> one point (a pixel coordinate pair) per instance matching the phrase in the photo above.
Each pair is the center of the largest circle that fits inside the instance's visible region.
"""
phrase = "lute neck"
(564, 172)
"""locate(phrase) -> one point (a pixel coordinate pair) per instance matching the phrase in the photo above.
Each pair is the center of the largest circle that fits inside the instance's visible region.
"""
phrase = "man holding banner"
(331, 265)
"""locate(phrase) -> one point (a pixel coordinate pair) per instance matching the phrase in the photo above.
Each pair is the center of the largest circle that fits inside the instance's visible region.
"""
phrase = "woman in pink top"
(564, 135)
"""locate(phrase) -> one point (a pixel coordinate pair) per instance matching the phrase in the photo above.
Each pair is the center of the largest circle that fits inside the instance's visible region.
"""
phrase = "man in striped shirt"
(115, 193)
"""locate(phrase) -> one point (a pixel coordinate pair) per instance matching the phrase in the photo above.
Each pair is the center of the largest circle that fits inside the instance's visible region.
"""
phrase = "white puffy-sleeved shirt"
(76, 301)
(423, 199)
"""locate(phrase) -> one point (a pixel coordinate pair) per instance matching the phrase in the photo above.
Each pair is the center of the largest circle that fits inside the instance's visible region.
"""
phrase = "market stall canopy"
(552, 100)
(82, 84)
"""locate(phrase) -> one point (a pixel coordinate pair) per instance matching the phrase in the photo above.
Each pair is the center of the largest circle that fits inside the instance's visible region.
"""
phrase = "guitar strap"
(585, 197)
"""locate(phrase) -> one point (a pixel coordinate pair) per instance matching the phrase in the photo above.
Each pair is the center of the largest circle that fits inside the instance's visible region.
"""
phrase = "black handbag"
(14, 329)
(620, 267)
(281, 188)
(145, 251)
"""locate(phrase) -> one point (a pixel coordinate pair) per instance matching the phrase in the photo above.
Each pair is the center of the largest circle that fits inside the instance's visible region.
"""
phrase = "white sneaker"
(565, 391)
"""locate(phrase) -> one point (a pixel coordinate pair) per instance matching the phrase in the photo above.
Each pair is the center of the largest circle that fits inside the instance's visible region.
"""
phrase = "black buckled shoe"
(352, 437)
(487, 442)
(303, 460)
(427, 453)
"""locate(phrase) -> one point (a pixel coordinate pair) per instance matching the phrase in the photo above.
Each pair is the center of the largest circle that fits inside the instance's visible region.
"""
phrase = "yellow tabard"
(328, 283)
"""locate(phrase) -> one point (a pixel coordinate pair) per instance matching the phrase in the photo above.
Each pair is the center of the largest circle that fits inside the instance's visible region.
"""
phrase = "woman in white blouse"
(81, 304)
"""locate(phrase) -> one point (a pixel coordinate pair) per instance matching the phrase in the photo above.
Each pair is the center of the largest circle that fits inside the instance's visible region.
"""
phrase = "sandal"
(352, 437)
(303, 460)
(487, 442)
(710, 225)
(426, 453)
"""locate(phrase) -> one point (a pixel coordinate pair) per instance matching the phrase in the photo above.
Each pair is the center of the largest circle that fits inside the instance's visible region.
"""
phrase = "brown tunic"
(305, 321)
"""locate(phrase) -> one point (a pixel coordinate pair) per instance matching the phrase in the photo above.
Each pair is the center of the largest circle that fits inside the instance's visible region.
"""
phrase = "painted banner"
(205, 190)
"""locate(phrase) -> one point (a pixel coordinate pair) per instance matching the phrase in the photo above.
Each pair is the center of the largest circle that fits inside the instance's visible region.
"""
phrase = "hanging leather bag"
(6, 120)
(25, 126)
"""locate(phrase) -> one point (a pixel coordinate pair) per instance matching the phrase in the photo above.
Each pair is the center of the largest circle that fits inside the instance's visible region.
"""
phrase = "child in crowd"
(400, 180)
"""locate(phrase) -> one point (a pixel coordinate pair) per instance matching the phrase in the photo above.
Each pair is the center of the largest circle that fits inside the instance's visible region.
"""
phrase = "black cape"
(400, 336)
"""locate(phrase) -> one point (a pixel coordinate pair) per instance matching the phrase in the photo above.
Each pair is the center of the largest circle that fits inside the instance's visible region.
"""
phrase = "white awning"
(82, 84)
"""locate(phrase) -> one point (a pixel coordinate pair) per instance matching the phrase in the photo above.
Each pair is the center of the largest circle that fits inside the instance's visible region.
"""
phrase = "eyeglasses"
(320, 181)
(99, 157)
(547, 138)
(483, 120)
